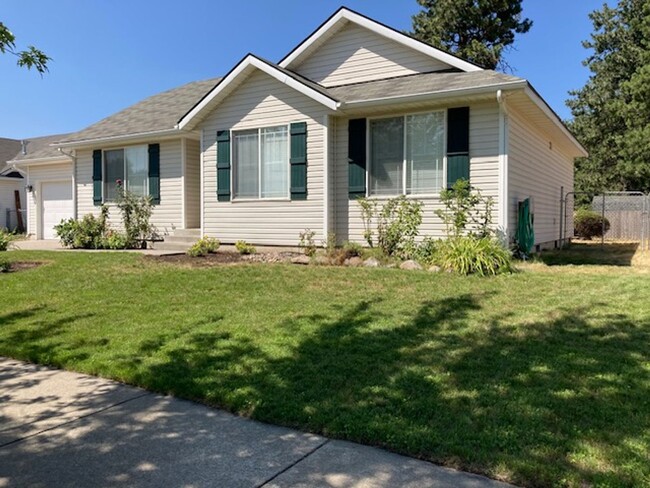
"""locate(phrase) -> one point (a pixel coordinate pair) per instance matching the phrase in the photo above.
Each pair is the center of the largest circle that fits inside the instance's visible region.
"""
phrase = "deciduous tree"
(28, 58)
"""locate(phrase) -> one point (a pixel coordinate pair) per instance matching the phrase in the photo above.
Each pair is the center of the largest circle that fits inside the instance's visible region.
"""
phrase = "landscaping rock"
(300, 260)
(435, 269)
(354, 261)
(371, 263)
(410, 264)
(322, 260)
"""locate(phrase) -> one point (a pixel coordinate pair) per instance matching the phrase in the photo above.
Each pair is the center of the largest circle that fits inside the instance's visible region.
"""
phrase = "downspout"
(73, 157)
(503, 195)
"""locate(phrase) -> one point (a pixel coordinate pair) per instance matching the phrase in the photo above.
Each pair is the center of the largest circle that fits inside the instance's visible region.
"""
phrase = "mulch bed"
(223, 258)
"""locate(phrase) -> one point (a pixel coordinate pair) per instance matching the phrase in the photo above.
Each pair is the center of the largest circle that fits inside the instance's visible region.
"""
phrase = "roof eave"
(436, 95)
(344, 14)
(158, 134)
(16, 163)
(192, 118)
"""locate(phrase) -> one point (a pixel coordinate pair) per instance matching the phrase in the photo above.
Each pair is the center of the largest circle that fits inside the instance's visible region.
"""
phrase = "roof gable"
(239, 74)
(345, 16)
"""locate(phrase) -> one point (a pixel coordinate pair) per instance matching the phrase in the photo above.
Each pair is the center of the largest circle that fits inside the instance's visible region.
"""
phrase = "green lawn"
(541, 378)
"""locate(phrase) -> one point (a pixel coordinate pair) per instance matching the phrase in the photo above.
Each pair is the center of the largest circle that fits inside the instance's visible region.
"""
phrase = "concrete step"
(167, 246)
(174, 239)
(193, 233)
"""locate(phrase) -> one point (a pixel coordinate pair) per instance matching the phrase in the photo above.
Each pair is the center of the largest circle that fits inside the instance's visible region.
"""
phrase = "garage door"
(57, 205)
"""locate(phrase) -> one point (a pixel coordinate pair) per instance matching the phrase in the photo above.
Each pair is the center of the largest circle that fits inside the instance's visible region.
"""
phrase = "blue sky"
(111, 54)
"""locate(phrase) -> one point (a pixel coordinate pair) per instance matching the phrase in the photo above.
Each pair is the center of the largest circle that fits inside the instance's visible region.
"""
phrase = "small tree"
(465, 211)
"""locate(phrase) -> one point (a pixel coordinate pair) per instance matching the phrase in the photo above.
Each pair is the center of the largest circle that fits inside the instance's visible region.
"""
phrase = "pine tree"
(611, 113)
(479, 31)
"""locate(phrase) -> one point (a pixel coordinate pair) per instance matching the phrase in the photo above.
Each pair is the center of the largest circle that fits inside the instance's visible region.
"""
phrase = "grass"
(540, 378)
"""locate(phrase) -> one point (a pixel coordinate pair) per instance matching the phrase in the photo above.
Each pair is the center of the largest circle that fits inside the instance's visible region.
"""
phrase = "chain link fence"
(628, 214)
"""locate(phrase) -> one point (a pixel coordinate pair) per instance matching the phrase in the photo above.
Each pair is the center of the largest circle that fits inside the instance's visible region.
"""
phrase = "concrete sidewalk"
(66, 429)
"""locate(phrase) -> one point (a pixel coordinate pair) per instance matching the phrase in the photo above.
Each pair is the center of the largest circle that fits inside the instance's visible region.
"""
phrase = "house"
(11, 181)
(356, 109)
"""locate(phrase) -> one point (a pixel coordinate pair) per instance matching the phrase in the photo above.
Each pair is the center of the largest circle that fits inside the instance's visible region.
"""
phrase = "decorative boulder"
(410, 264)
(300, 260)
(322, 260)
(435, 269)
(371, 263)
(353, 261)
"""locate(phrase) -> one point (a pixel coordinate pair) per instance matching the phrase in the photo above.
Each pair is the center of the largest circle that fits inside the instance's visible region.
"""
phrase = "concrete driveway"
(65, 429)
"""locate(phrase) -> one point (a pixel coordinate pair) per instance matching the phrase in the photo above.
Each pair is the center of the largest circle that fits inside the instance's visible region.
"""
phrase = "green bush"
(427, 250)
(87, 233)
(397, 224)
(5, 265)
(465, 211)
(467, 255)
(352, 249)
(136, 212)
(114, 240)
(245, 248)
(203, 247)
(589, 224)
(307, 243)
(5, 239)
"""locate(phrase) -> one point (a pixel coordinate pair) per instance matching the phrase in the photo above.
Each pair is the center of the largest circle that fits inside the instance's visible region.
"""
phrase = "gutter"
(36, 161)
(122, 138)
(438, 94)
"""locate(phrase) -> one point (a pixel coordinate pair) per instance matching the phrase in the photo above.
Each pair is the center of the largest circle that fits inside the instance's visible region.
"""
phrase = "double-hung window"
(128, 167)
(407, 154)
(261, 163)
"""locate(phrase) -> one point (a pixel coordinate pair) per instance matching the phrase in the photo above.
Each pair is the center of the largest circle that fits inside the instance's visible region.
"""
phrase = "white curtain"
(386, 156)
(137, 173)
(246, 160)
(275, 162)
(424, 153)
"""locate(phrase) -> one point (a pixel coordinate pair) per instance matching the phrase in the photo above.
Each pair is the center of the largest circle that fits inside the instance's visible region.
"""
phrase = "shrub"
(203, 247)
(398, 223)
(245, 248)
(352, 249)
(114, 240)
(466, 255)
(87, 233)
(589, 224)
(426, 251)
(465, 211)
(307, 243)
(136, 213)
(5, 239)
(5, 265)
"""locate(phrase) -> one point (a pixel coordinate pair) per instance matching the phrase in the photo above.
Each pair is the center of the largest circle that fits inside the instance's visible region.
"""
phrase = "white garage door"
(57, 205)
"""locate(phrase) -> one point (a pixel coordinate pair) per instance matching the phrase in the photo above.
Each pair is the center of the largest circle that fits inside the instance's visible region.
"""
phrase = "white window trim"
(403, 189)
(233, 196)
(104, 181)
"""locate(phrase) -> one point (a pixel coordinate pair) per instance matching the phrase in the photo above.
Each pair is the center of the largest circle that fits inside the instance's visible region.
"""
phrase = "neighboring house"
(10, 182)
(357, 109)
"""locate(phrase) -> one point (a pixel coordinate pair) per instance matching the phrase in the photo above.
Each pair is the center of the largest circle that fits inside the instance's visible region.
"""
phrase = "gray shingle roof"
(418, 84)
(40, 147)
(8, 150)
(156, 113)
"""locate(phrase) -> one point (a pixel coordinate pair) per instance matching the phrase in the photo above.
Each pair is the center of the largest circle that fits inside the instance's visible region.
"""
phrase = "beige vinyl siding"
(38, 175)
(192, 184)
(484, 173)
(536, 170)
(167, 216)
(262, 101)
(8, 201)
(356, 54)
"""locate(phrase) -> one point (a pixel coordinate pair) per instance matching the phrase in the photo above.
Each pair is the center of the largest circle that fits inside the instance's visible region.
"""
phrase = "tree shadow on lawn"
(535, 403)
(592, 253)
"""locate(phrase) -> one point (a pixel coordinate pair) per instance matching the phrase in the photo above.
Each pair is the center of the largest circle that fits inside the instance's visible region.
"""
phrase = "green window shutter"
(223, 165)
(298, 161)
(97, 177)
(357, 158)
(457, 145)
(154, 173)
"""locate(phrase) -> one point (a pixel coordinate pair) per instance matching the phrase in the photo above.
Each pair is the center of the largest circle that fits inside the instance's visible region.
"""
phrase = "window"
(407, 154)
(261, 163)
(130, 166)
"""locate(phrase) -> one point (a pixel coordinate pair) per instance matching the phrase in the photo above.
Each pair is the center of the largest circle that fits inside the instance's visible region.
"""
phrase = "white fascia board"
(384, 31)
(543, 106)
(39, 161)
(247, 62)
(435, 95)
(129, 138)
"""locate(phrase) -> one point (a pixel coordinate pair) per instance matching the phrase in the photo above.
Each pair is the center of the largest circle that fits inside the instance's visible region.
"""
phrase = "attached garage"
(56, 205)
